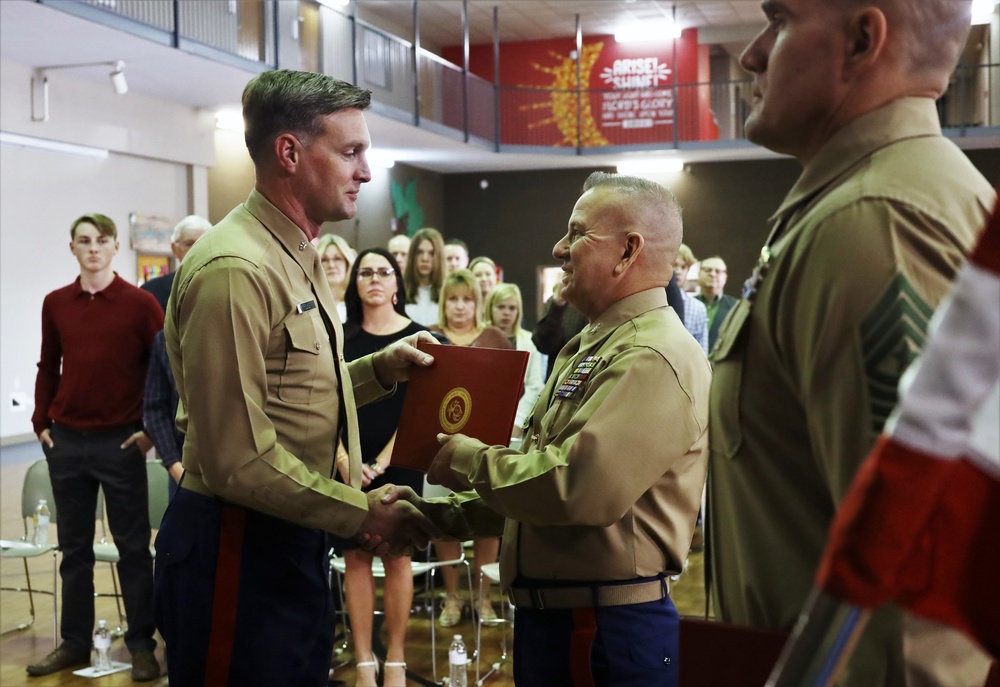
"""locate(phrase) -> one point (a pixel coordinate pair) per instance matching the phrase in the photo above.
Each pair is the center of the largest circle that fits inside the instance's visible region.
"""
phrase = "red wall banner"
(629, 93)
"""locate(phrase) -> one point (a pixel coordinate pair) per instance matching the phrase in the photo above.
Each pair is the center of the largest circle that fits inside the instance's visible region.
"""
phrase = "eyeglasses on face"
(368, 274)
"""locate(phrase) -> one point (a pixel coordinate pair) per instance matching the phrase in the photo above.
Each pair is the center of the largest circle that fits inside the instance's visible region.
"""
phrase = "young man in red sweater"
(96, 337)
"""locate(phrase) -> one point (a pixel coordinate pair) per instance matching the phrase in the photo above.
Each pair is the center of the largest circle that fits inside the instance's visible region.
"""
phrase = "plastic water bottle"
(102, 647)
(42, 517)
(457, 659)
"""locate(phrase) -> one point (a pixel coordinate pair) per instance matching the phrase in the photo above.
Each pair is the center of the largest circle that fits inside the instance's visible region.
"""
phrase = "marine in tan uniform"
(255, 345)
(601, 499)
(862, 249)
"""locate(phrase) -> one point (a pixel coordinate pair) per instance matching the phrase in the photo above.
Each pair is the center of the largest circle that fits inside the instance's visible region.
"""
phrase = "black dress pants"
(79, 463)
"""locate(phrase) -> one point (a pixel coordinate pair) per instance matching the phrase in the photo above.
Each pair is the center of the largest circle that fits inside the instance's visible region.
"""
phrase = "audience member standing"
(159, 404)
(96, 339)
(695, 313)
(456, 255)
(337, 257)
(865, 244)
(559, 323)
(376, 317)
(503, 311)
(485, 271)
(424, 275)
(186, 232)
(683, 267)
(399, 247)
(712, 279)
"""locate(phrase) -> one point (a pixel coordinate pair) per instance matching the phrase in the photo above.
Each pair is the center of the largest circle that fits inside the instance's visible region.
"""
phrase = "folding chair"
(339, 566)
(491, 571)
(37, 486)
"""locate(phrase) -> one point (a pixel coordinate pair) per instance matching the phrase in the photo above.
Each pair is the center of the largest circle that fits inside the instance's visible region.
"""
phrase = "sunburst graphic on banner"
(563, 100)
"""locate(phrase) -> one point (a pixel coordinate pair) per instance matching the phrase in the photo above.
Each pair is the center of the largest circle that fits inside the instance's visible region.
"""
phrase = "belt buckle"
(537, 599)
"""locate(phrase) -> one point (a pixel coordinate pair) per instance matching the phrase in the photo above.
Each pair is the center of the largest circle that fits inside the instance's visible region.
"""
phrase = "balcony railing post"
(496, 78)
(175, 39)
(465, 69)
(275, 31)
(673, 80)
(416, 63)
(354, 43)
(579, 87)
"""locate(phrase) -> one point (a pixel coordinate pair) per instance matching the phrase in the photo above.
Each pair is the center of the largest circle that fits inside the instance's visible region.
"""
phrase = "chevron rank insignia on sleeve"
(892, 335)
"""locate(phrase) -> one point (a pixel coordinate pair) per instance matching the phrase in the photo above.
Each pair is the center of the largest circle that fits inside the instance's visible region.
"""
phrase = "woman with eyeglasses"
(375, 300)
(336, 256)
(461, 320)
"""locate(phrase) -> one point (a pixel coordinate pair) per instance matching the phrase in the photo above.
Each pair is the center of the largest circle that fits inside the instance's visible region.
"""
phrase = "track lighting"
(40, 84)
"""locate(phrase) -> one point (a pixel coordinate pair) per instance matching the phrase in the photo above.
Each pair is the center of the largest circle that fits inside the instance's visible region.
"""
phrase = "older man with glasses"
(712, 277)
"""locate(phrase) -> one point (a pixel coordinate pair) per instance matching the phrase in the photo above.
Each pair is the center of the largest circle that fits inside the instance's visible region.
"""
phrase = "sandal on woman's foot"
(486, 612)
(366, 674)
(451, 610)
(391, 667)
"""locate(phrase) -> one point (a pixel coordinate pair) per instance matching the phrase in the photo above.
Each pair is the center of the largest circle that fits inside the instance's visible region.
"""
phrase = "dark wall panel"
(515, 220)
(518, 217)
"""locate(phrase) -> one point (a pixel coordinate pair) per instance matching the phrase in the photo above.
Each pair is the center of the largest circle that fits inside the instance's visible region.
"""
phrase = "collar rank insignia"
(751, 285)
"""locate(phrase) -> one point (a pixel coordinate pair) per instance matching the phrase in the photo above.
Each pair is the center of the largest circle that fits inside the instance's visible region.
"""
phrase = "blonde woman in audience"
(485, 271)
(503, 311)
(337, 257)
(460, 319)
(424, 275)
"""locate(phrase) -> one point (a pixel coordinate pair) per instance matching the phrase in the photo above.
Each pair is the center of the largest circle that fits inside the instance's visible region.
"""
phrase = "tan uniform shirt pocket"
(307, 357)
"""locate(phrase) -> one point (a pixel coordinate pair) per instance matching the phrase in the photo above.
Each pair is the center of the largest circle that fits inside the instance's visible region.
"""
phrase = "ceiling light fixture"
(983, 11)
(643, 166)
(229, 120)
(47, 145)
(380, 158)
(40, 84)
(648, 33)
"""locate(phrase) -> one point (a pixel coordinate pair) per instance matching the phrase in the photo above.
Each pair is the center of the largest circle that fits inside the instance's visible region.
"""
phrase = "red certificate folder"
(468, 390)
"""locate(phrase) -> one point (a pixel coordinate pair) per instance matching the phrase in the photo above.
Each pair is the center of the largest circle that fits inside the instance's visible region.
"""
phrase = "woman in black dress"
(375, 300)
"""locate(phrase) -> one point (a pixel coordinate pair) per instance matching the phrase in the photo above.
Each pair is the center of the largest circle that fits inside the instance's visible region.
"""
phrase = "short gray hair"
(190, 223)
(652, 205)
(633, 186)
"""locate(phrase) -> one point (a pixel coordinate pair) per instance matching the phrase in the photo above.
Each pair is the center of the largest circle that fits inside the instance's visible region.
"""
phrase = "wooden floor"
(19, 648)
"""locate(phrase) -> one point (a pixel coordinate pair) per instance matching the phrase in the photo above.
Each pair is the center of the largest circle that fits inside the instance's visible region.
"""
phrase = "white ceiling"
(37, 35)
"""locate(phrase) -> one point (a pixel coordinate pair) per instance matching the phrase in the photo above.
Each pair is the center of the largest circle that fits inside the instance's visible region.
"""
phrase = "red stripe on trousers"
(582, 639)
(226, 597)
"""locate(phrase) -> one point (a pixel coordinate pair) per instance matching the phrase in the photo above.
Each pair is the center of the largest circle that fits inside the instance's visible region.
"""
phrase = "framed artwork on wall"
(151, 266)
(150, 234)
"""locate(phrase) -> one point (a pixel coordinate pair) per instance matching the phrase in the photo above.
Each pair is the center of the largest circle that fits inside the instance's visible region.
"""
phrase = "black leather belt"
(589, 596)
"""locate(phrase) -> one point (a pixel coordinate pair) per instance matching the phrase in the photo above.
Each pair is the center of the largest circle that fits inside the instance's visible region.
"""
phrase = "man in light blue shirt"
(695, 314)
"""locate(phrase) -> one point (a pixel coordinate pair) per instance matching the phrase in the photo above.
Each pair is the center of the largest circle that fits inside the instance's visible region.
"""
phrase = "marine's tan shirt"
(806, 369)
(257, 375)
(608, 482)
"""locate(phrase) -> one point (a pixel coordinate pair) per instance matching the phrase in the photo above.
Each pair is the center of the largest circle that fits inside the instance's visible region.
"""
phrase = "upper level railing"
(414, 85)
